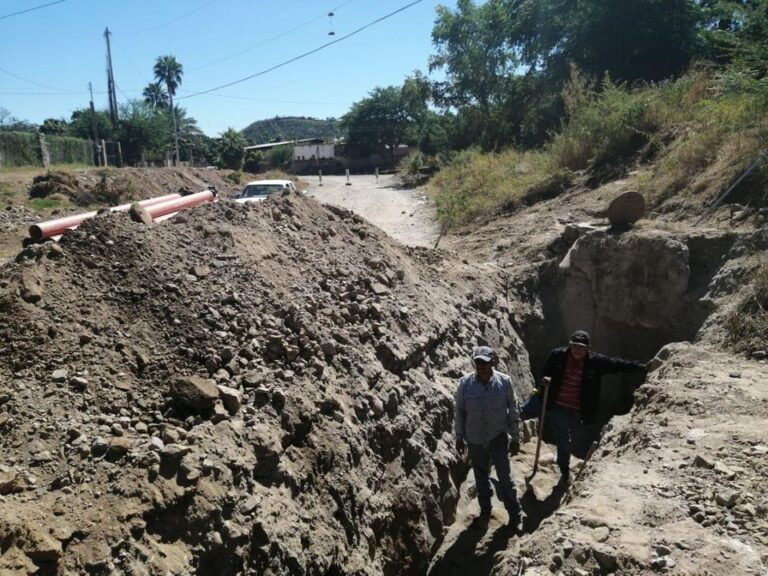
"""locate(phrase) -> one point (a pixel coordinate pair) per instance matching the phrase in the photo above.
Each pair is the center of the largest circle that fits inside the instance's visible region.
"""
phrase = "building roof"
(284, 143)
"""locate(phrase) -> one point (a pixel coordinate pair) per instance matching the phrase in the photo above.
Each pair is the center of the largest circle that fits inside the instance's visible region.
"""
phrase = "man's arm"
(459, 416)
(550, 365)
(615, 365)
(513, 414)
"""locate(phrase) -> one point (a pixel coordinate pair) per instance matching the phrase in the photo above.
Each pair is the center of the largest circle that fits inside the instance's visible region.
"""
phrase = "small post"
(377, 174)
(320, 176)
(348, 182)
(119, 155)
(104, 153)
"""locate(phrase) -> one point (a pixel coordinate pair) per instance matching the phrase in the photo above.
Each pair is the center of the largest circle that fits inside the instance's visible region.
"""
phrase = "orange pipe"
(170, 206)
(56, 227)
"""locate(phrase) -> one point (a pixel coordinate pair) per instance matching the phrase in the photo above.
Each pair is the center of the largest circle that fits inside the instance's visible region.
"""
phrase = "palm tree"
(155, 95)
(169, 72)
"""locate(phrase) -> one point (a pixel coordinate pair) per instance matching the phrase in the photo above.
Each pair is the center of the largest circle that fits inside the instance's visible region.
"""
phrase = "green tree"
(231, 149)
(156, 96)
(279, 157)
(385, 119)
(473, 52)
(507, 61)
(169, 72)
(80, 124)
(143, 132)
(736, 31)
(629, 40)
(54, 127)
(480, 66)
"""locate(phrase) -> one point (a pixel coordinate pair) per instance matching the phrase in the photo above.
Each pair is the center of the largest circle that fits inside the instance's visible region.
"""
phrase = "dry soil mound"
(246, 389)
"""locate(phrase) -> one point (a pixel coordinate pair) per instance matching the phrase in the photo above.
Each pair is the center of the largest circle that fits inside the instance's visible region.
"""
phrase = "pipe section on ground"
(164, 208)
(50, 228)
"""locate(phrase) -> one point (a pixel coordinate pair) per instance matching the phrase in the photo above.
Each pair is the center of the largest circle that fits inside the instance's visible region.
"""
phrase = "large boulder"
(194, 393)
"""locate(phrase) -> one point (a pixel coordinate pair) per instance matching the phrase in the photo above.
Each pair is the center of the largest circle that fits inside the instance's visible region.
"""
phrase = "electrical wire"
(259, 45)
(305, 54)
(31, 9)
(31, 81)
(252, 99)
(164, 24)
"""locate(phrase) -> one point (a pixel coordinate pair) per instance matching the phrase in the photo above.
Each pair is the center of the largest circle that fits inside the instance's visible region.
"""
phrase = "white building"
(303, 152)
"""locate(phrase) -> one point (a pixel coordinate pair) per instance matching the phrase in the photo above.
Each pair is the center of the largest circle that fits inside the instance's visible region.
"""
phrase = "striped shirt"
(569, 395)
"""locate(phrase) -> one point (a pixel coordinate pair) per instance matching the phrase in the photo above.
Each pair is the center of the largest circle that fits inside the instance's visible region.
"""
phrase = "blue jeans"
(564, 422)
(481, 458)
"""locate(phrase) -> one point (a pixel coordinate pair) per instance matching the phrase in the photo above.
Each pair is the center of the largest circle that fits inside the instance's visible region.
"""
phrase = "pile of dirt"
(111, 187)
(54, 182)
(245, 389)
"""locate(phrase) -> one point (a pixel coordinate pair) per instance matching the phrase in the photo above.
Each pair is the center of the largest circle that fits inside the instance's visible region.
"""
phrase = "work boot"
(565, 479)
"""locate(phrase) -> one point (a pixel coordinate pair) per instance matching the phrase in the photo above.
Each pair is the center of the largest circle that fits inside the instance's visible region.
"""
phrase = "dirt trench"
(633, 291)
(267, 389)
(640, 293)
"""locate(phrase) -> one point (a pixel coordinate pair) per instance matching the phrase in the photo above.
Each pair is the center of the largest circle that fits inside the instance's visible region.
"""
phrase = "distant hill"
(291, 127)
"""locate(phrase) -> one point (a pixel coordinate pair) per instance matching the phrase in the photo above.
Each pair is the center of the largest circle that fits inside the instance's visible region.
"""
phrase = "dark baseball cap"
(580, 337)
(484, 353)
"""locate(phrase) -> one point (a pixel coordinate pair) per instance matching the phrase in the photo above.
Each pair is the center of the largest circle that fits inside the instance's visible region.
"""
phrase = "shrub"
(601, 129)
(279, 157)
(68, 150)
(234, 177)
(53, 202)
(19, 149)
(747, 326)
(476, 184)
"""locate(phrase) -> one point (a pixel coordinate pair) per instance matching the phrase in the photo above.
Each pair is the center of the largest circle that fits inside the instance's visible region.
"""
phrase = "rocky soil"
(94, 188)
(267, 389)
(246, 389)
(677, 486)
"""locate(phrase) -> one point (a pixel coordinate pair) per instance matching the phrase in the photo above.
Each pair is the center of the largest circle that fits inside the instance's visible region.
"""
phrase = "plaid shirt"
(485, 410)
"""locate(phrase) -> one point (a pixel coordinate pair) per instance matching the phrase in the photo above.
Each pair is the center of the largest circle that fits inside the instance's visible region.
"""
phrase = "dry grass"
(692, 137)
(475, 184)
(747, 326)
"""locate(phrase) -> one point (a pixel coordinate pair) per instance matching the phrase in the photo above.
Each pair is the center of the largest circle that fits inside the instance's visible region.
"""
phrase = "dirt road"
(406, 215)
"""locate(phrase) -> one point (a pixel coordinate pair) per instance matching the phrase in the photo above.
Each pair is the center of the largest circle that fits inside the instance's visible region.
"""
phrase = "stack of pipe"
(160, 208)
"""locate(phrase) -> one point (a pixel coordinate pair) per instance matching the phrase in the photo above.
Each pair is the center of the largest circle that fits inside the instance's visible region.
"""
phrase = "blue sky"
(48, 55)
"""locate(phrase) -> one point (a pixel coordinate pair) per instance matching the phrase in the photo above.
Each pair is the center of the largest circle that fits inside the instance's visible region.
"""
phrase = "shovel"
(542, 416)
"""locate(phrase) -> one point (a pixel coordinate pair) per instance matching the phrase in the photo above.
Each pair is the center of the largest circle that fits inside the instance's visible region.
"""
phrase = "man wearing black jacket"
(573, 374)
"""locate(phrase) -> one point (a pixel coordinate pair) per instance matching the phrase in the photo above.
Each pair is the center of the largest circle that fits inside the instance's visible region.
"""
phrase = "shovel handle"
(542, 417)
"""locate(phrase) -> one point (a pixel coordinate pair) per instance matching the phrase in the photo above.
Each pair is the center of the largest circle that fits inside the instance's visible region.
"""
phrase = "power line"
(252, 99)
(31, 81)
(196, 10)
(259, 45)
(31, 9)
(305, 54)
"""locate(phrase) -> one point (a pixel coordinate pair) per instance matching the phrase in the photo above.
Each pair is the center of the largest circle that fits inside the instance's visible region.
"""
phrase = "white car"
(259, 190)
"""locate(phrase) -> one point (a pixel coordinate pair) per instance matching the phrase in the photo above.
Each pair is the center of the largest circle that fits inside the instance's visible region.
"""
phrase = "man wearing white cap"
(487, 423)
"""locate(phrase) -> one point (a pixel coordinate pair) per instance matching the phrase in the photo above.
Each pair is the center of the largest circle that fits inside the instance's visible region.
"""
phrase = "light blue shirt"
(486, 409)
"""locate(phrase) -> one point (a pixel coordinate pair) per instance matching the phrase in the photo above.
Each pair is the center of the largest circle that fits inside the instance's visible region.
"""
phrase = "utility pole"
(94, 130)
(111, 81)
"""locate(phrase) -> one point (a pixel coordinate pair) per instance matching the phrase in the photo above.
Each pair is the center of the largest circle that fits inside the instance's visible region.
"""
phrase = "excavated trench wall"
(633, 292)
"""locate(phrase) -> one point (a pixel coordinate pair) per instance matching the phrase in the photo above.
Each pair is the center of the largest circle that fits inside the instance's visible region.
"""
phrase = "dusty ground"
(316, 437)
(406, 215)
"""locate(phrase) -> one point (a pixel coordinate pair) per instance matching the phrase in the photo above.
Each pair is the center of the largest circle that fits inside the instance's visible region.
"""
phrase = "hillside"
(282, 128)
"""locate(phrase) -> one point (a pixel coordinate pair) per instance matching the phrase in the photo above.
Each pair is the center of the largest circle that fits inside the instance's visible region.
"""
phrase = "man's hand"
(546, 381)
(460, 446)
(514, 448)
